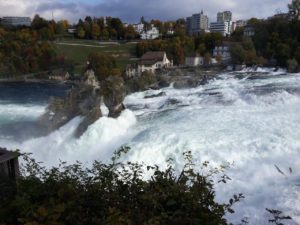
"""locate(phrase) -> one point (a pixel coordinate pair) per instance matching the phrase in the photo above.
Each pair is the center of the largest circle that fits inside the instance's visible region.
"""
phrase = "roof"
(150, 58)
(7, 155)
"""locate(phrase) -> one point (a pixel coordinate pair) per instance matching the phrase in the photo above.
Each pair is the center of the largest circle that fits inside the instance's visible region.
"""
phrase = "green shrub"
(115, 193)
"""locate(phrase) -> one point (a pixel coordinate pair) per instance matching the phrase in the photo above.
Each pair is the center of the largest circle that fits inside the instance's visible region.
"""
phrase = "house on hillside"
(150, 61)
(131, 70)
(150, 34)
(59, 75)
(222, 52)
(249, 31)
(194, 60)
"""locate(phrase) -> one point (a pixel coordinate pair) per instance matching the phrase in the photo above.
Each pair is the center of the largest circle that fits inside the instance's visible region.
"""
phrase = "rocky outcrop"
(114, 92)
(90, 79)
(84, 100)
(81, 101)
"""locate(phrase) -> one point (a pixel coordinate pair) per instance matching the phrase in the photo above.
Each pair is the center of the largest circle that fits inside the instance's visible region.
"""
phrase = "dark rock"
(204, 81)
(176, 72)
(169, 102)
(157, 95)
(186, 83)
(164, 81)
(114, 92)
(81, 101)
(89, 119)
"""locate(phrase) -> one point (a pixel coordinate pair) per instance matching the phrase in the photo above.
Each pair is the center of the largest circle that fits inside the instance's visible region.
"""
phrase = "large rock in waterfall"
(114, 92)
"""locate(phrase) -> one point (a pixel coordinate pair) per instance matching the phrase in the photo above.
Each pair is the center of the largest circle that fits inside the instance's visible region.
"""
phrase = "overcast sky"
(132, 10)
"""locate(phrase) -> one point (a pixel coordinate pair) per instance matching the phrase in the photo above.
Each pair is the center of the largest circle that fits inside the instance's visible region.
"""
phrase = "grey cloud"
(132, 10)
(49, 6)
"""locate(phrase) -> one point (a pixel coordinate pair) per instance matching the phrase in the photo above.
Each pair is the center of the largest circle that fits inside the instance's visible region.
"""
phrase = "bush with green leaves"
(115, 193)
(118, 193)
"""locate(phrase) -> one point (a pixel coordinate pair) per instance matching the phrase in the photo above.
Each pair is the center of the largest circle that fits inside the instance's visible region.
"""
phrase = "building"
(249, 31)
(194, 60)
(139, 27)
(131, 70)
(72, 30)
(224, 28)
(16, 21)
(225, 16)
(241, 23)
(150, 61)
(9, 165)
(146, 34)
(150, 34)
(59, 75)
(197, 23)
(222, 52)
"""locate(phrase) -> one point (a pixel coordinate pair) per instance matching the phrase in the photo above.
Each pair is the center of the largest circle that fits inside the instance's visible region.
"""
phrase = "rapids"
(248, 119)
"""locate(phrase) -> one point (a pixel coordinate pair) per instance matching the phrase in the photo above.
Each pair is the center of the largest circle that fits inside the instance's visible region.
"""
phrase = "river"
(250, 120)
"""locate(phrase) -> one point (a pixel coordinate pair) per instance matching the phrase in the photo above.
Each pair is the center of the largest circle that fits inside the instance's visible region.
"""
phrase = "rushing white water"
(17, 112)
(250, 120)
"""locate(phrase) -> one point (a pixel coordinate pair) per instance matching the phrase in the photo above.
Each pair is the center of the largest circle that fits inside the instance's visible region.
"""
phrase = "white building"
(197, 23)
(224, 28)
(194, 61)
(16, 21)
(139, 28)
(150, 61)
(222, 51)
(151, 34)
(224, 16)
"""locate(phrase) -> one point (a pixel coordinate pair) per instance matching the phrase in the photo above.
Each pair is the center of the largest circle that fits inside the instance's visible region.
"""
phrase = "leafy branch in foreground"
(115, 194)
(278, 216)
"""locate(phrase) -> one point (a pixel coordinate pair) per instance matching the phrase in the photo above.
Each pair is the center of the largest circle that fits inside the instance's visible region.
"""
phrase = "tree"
(103, 65)
(116, 193)
(38, 22)
(130, 33)
(292, 65)
(282, 53)
(237, 54)
(95, 31)
(117, 25)
(80, 32)
(294, 9)
(297, 55)
(201, 49)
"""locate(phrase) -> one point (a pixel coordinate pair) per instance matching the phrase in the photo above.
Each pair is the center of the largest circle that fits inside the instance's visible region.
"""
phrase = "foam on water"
(226, 121)
(97, 143)
(15, 112)
(250, 119)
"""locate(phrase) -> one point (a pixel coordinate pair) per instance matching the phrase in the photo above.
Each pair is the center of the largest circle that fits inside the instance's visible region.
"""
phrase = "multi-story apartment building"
(10, 21)
(224, 16)
(221, 27)
(197, 23)
(224, 24)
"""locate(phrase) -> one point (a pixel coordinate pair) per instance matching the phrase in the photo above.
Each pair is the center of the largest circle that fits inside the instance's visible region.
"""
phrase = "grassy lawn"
(78, 50)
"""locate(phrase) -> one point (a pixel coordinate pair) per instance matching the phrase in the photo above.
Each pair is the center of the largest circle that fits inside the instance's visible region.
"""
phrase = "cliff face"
(85, 100)
(81, 101)
(114, 92)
